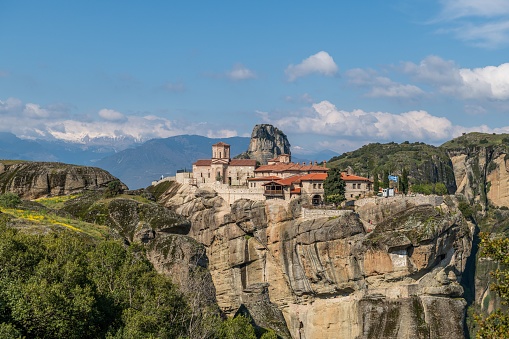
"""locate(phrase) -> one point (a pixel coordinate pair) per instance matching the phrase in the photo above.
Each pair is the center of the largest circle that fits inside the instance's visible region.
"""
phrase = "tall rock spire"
(267, 142)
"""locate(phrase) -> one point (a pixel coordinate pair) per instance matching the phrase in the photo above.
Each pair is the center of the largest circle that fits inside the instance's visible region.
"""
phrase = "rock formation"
(340, 277)
(266, 143)
(32, 180)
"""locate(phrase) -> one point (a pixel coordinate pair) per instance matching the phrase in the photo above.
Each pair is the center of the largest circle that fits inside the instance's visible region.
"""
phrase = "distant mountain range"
(136, 164)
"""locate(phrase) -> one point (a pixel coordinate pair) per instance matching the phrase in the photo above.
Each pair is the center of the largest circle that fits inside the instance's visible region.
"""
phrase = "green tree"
(270, 334)
(8, 331)
(238, 327)
(385, 180)
(334, 186)
(9, 200)
(376, 183)
(404, 181)
(440, 189)
(496, 325)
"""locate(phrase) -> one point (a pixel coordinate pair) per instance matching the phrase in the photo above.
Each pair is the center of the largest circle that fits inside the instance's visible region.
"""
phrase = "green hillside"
(424, 163)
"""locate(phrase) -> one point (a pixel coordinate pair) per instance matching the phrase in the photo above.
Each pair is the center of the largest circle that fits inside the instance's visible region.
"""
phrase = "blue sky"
(331, 74)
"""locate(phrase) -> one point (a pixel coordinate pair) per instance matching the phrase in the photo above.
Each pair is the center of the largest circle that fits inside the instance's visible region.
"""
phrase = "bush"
(114, 188)
(238, 327)
(9, 200)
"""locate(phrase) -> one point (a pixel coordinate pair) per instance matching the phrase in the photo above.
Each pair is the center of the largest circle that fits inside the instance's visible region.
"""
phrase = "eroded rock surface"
(266, 143)
(32, 180)
(334, 277)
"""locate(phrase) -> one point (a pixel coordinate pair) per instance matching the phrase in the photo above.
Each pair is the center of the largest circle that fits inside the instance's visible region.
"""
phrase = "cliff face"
(266, 143)
(32, 180)
(331, 277)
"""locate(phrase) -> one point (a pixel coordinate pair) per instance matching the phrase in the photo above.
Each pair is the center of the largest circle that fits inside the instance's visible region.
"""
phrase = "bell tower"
(220, 153)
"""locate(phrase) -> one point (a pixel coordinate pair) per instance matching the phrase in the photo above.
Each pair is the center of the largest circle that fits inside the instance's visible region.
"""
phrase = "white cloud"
(321, 63)
(454, 9)
(11, 105)
(490, 82)
(326, 119)
(111, 115)
(381, 86)
(54, 122)
(484, 23)
(224, 133)
(239, 72)
(35, 111)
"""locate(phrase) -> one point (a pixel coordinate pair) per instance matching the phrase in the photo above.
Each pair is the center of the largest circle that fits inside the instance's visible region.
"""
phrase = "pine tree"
(376, 183)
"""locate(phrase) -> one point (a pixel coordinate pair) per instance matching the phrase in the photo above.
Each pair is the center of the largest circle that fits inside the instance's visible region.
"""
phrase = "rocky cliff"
(266, 143)
(334, 277)
(31, 180)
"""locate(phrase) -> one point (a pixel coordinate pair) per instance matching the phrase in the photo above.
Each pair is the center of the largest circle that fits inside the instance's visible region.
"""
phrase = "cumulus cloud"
(381, 86)
(240, 72)
(111, 115)
(490, 82)
(321, 63)
(326, 119)
(484, 23)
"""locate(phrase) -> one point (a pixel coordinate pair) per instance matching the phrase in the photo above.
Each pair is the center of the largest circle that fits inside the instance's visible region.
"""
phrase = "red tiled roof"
(314, 176)
(243, 162)
(203, 162)
(291, 167)
(289, 181)
(350, 177)
(221, 144)
(295, 190)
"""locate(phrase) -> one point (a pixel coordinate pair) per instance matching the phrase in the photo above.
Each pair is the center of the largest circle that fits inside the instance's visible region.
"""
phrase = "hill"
(424, 163)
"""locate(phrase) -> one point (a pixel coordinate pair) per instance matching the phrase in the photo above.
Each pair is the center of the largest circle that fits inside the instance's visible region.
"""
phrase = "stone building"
(279, 179)
(221, 168)
(356, 186)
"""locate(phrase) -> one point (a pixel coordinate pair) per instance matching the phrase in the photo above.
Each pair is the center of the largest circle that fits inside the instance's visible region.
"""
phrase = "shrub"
(238, 327)
(9, 200)
(114, 188)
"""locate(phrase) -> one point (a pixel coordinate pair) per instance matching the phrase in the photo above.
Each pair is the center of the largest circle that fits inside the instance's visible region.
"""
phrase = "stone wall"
(315, 213)
(433, 200)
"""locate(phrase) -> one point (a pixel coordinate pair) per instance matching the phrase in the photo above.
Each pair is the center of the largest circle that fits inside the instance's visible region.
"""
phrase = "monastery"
(279, 179)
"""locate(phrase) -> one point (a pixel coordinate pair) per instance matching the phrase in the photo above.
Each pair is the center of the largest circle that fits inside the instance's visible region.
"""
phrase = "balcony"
(274, 193)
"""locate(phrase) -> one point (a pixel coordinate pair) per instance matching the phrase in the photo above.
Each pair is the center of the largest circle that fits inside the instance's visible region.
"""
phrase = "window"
(314, 185)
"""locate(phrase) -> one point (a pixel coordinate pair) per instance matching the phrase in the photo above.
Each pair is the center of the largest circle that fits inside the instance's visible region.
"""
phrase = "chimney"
(303, 163)
(324, 163)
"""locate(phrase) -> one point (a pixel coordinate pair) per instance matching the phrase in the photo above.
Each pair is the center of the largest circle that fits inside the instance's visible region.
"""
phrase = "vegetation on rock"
(425, 164)
(496, 325)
